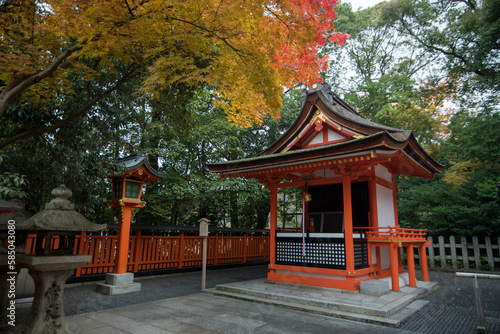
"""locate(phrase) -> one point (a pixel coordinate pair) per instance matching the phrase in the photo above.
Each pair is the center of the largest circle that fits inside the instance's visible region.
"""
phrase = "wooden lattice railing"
(177, 250)
(393, 234)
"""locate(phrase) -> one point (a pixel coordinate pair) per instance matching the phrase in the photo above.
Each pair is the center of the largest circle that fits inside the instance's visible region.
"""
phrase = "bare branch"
(19, 83)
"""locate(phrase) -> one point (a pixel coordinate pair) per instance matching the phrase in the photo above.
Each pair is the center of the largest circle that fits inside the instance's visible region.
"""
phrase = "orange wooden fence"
(150, 252)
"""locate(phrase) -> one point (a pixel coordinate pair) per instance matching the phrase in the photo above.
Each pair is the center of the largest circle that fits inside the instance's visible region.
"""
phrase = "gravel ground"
(451, 307)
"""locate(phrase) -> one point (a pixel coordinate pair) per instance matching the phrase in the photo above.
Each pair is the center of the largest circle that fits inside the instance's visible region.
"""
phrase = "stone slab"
(374, 288)
(117, 279)
(119, 289)
(403, 280)
(53, 262)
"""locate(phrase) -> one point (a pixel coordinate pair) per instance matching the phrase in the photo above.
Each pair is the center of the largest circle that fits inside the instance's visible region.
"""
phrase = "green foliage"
(464, 34)
(389, 79)
(431, 67)
(189, 192)
(465, 200)
(405, 62)
(11, 184)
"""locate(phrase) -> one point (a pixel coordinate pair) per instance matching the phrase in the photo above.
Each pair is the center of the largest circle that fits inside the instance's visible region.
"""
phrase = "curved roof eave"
(416, 151)
(379, 140)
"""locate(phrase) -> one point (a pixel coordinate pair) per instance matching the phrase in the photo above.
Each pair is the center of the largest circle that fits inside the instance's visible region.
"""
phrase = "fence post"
(431, 252)
(245, 247)
(182, 249)
(453, 248)
(481, 324)
(138, 250)
(465, 253)
(489, 253)
(498, 249)
(442, 252)
(78, 271)
(477, 254)
(216, 248)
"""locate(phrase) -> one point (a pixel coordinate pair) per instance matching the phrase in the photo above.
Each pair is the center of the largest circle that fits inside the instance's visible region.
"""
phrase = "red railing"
(393, 234)
(149, 252)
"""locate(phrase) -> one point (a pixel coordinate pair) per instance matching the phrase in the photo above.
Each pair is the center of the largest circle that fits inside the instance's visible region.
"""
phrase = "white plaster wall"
(385, 209)
(317, 140)
(332, 135)
(385, 258)
(383, 173)
(385, 206)
(374, 254)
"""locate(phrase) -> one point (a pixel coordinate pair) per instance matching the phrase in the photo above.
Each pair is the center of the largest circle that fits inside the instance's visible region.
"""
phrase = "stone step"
(378, 310)
(349, 313)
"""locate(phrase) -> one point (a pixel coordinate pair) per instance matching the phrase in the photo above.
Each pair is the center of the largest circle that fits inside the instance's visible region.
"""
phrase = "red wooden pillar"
(273, 223)
(410, 259)
(138, 251)
(349, 243)
(122, 251)
(423, 262)
(393, 250)
(379, 261)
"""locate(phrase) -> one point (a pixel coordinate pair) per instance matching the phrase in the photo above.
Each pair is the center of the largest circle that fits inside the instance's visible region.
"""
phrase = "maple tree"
(247, 51)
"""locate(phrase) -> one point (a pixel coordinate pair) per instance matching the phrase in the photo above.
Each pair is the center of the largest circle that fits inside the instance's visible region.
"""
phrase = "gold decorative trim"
(318, 114)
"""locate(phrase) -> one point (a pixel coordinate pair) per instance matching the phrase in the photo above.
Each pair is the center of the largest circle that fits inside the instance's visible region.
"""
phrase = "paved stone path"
(203, 313)
(451, 308)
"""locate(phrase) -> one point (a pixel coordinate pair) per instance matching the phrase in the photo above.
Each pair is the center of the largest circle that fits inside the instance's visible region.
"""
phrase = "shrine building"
(333, 213)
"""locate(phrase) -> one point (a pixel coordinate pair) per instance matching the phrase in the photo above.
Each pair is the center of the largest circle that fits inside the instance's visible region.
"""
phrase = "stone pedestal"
(116, 284)
(50, 274)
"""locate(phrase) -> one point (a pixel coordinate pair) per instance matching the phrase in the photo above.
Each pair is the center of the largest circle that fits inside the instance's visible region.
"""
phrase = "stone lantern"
(53, 262)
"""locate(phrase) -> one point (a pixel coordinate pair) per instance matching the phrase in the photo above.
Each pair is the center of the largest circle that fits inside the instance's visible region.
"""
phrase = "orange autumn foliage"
(248, 51)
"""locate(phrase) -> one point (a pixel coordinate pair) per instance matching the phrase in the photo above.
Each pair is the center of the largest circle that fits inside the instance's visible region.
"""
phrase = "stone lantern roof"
(60, 215)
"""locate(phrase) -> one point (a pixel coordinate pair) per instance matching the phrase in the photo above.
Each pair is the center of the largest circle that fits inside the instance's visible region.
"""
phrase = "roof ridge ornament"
(322, 87)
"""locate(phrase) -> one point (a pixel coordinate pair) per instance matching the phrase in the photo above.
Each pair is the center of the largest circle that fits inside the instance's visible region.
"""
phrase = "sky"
(361, 3)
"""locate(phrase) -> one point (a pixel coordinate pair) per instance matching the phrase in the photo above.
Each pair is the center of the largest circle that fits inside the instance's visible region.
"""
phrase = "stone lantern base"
(116, 284)
(50, 274)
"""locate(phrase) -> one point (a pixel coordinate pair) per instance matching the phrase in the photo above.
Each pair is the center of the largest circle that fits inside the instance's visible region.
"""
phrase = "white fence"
(464, 253)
